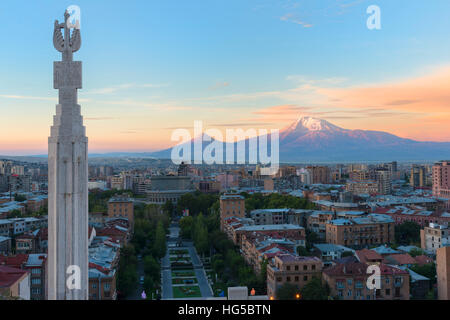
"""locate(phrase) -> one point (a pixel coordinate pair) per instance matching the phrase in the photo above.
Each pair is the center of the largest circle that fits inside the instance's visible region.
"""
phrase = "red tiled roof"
(291, 258)
(349, 268)
(99, 268)
(359, 268)
(400, 259)
(421, 260)
(110, 231)
(9, 276)
(16, 261)
(272, 254)
(382, 210)
(366, 255)
(385, 269)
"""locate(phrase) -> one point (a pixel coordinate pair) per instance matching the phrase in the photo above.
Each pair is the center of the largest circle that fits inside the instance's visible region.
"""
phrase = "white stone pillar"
(67, 182)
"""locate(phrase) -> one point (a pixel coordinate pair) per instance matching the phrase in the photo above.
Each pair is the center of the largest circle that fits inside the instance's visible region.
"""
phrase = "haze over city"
(152, 67)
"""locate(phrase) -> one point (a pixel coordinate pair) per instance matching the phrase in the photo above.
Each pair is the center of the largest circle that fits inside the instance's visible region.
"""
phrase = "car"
(141, 280)
(139, 257)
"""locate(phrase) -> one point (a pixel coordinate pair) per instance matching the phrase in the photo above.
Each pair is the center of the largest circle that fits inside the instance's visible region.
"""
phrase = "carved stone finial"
(68, 44)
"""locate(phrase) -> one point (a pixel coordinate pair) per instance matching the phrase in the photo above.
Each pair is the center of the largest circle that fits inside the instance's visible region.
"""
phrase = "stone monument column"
(67, 271)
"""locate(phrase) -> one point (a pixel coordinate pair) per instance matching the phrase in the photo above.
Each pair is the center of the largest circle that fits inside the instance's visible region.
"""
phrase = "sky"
(150, 67)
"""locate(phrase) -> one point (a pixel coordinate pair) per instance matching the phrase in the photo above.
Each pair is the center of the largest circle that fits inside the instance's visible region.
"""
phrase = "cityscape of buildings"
(333, 213)
(353, 227)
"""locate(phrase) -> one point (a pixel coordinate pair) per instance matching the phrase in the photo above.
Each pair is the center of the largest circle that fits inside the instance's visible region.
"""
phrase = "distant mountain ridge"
(310, 139)
(313, 139)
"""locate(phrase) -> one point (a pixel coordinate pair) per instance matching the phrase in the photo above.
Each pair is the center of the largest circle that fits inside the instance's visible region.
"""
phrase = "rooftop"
(270, 227)
(231, 197)
(9, 276)
(385, 250)
(294, 258)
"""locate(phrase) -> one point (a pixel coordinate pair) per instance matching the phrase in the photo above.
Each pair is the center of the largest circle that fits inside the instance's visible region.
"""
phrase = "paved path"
(166, 277)
(166, 272)
(205, 288)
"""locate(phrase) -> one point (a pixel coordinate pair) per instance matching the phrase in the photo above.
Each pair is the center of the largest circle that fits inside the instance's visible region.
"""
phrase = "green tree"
(311, 239)
(149, 286)
(152, 269)
(19, 197)
(430, 295)
(287, 291)
(127, 279)
(201, 234)
(346, 254)
(416, 252)
(217, 263)
(186, 227)
(15, 214)
(127, 275)
(159, 246)
(168, 207)
(315, 290)
(407, 233)
(302, 251)
(427, 270)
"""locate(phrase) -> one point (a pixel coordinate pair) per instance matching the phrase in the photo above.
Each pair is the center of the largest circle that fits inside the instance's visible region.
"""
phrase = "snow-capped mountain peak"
(307, 124)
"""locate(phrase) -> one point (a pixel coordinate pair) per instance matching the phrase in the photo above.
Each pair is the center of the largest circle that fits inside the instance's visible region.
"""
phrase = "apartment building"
(317, 222)
(418, 176)
(208, 186)
(288, 231)
(257, 248)
(102, 283)
(348, 281)
(289, 268)
(357, 232)
(121, 206)
(270, 216)
(441, 179)
(231, 205)
(319, 174)
(434, 236)
(362, 186)
(383, 176)
(417, 214)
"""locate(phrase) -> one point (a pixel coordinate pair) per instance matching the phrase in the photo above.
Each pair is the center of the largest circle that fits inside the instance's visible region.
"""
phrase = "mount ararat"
(312, 139)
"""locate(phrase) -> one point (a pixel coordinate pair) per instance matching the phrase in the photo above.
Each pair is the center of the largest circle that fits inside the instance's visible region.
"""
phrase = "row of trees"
(226, 260)
(204, 229)
(230, 266)
(198, 228)
(149, 241)
(313, 290)
(127, 275)
(150, 229)
(198, 202)
(275, 200)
